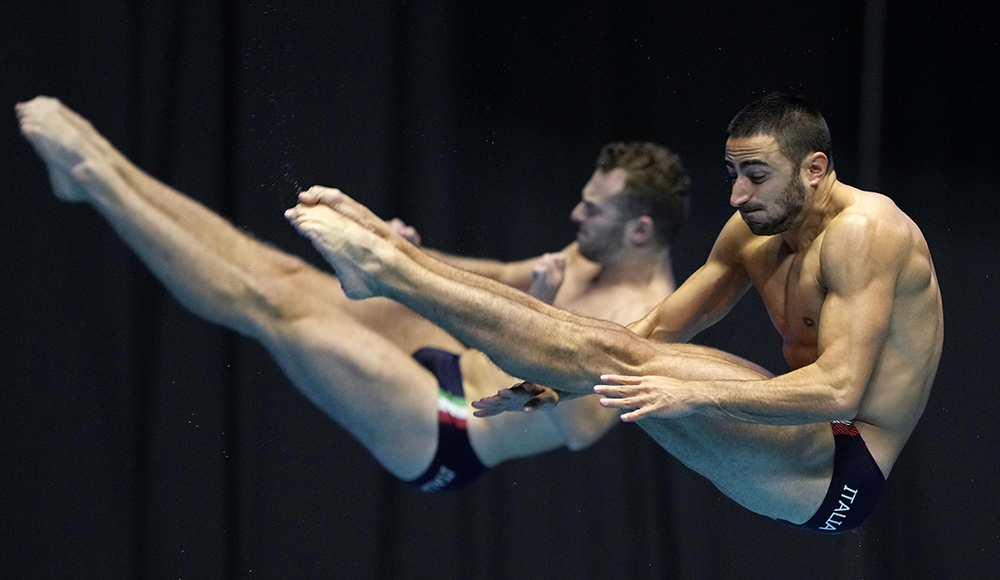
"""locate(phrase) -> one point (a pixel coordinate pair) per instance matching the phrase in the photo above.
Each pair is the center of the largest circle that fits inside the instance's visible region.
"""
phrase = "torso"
(793, 290)
(789, 284)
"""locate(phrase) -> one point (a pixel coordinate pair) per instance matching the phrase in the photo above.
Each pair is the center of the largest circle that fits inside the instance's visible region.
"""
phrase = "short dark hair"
(794, 122)
(656, 186)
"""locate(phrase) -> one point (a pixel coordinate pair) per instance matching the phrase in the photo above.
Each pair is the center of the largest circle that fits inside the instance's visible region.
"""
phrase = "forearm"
(807, 395)
(649, 327)
(516, 274)
(701, 301)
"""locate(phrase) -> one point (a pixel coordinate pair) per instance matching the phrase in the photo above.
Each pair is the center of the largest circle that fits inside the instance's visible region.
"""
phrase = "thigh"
(366, 383)
(398, 324)
(779, 471)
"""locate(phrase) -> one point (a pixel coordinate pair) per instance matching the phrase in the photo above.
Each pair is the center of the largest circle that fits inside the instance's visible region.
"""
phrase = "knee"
(579, 442)
(278, 297)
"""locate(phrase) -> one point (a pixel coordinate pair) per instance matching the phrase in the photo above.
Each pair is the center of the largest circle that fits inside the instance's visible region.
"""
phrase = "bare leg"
(362, 379)
(781, 472)
(43, 117)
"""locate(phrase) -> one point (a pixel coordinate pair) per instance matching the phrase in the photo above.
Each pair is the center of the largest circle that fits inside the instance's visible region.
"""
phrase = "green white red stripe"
(451, 409)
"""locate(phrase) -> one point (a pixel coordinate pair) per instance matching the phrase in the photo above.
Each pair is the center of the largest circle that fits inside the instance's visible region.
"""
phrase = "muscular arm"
(860, 261)
(521, 274)
(706, 296)
(513, 274)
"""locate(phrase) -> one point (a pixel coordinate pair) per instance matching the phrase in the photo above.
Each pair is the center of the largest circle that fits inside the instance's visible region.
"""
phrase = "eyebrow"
(753, 163)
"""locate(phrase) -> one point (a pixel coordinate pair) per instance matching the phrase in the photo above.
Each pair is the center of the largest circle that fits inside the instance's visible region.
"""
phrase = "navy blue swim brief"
(855, 487)
(455, 464)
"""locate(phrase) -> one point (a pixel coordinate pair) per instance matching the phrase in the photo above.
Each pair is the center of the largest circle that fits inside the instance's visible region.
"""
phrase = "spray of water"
(268, 95)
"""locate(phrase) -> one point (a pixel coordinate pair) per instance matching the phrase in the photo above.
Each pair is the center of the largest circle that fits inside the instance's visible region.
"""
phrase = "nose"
(741, 193)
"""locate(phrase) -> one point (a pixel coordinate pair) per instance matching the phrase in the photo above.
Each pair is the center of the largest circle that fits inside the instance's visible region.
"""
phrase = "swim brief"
(855, 487)
(455, 464)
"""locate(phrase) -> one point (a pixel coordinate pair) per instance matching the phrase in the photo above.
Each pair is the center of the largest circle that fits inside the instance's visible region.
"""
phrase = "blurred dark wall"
(140, 442)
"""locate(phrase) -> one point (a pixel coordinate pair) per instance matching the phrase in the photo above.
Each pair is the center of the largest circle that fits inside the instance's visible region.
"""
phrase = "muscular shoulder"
(573, 256)
(736, 242)
(577, 267)
(871, 237)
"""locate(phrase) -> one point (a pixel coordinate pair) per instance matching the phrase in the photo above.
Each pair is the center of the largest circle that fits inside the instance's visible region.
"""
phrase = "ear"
(815, 166)
(640, 231)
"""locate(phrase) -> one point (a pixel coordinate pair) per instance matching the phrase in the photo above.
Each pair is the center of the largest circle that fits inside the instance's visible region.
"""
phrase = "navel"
(808, 321)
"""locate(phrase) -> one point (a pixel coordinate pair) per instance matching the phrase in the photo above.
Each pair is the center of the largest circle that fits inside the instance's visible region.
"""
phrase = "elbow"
(845, 401)
(579, 443)
(842, 386)
(582, 422)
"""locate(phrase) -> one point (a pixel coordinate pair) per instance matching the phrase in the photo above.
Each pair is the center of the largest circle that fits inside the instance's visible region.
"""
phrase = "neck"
(639, 267)
(822, 206)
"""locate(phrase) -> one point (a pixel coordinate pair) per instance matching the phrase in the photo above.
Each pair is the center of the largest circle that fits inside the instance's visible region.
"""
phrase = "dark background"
(137, 441)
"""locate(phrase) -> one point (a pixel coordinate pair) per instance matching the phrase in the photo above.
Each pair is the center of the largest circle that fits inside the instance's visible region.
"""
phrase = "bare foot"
(344, 205)
(64, 141)
(358, 254)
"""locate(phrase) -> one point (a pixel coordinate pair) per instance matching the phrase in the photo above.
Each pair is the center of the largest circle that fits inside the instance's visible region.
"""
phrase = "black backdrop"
(139, 442)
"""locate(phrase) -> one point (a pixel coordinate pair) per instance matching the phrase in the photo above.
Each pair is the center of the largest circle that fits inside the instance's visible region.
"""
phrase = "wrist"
(702, 399)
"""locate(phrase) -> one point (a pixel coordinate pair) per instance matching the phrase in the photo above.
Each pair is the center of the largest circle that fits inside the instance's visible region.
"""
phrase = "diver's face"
(601, 224)
(767, 188)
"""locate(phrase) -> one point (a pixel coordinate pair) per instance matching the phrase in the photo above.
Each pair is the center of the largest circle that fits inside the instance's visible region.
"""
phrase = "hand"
(547, 276)
(360, 246)
(655, 396)
(526, 397)
(408, 233)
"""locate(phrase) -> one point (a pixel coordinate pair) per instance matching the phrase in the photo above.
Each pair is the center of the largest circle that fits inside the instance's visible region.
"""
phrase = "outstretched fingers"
(621, 395)
(621, 380)
(524, 397)
(504, 401)
(652, 396)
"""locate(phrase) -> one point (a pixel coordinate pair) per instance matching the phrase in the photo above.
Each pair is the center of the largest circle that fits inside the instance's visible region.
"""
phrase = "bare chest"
(619, 304)
(791, 286)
